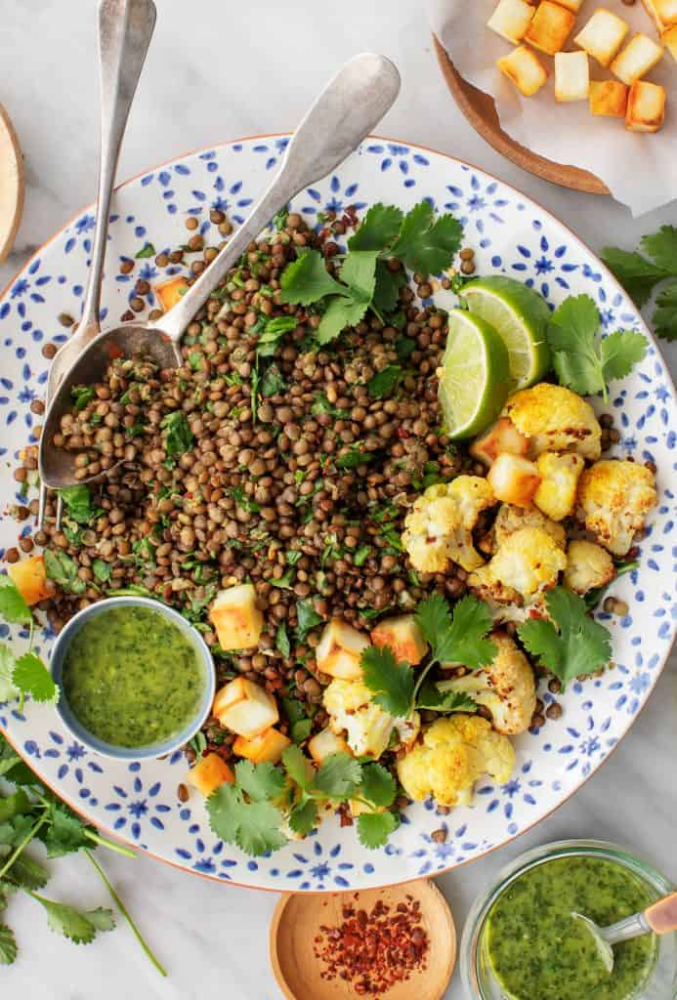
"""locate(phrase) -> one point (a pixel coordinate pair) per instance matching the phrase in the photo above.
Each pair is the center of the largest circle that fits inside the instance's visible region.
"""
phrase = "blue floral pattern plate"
(511, 235)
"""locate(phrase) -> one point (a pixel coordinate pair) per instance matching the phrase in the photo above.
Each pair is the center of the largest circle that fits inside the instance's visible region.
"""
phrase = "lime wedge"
(520, 315)
(474, 375)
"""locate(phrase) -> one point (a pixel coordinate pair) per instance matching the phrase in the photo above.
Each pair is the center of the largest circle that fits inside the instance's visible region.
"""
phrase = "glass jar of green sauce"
(521, 943)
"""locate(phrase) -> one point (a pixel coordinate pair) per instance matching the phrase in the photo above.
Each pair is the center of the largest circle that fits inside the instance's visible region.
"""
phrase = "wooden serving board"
(11, 184)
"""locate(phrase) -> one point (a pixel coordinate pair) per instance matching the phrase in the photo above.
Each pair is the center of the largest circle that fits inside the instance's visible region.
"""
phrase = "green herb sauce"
(132, 678)
(539, 952)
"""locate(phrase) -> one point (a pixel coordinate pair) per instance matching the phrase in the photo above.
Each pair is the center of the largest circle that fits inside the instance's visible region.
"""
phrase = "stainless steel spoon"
(344, 113)
(660, 917)
(125, 29)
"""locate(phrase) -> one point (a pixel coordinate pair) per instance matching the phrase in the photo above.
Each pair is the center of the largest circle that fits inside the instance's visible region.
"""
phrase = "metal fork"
(125, 28)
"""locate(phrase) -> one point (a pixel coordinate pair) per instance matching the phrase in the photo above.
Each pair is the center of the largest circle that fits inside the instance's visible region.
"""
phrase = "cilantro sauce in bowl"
(137, 680)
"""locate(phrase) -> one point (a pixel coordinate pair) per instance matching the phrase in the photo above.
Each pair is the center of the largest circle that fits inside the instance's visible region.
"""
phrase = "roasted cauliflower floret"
(455, 752)
(366, 726)
(439, 525)
(511, 519)
(614, 498)
(506, 687)
(556, 419)
(526, 564)
(556, 495)
(588, 566)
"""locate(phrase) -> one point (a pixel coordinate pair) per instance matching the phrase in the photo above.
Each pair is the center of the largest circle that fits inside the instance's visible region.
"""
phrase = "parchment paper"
(640, 170)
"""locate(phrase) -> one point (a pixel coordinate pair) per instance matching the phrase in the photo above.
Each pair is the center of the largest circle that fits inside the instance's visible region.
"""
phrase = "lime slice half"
(474, 375)
(520, 315)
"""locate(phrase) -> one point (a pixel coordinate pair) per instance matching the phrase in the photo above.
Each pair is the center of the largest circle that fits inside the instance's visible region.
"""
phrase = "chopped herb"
(385, 382)
(307, 617)
(148, 250)
(82, 395)
(179, 438)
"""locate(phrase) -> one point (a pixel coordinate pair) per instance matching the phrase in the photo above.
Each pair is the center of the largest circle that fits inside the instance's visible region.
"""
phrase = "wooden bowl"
(298, 917)
(11, 184)
(480, 110)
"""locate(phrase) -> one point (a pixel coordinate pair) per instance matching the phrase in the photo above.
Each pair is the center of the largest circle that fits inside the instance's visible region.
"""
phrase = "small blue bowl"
(71, 722)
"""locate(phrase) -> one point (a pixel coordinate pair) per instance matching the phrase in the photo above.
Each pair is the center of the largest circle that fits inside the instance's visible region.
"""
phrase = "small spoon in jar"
(347, 110)
(659, 918)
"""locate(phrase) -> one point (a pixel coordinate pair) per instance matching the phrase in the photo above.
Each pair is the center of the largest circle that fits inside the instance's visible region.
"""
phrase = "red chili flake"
(374, 951)
(114, 351)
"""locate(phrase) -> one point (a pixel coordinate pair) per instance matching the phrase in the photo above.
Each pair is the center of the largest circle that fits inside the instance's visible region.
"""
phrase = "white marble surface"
(219, 70)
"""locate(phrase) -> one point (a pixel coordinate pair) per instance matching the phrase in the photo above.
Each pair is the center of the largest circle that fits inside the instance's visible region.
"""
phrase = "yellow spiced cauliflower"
(556, 495)
(455, 752)
(367, 727)
(527, 563)
(506, 687)
(588, 566)
(614, 498)
(438, 529)
(555, 419)
(511, 519)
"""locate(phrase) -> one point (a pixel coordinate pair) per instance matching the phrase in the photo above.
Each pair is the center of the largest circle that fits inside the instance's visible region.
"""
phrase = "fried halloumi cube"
(556, 494)
(572, 76)
(267, 747)
(608, 98)
(511, 19)
(514, 479)
(525, 69)
(501, 436)
(210, 772)
(550, 27)
(670, 41)
(602, 36)
(663, 12)
(403, 636)
(340, 649)
(637, 59)
(245, 708)
(237, 619)
(30, 579)
(573, 5)
(325, 743)
(170, 292)
(646, 107)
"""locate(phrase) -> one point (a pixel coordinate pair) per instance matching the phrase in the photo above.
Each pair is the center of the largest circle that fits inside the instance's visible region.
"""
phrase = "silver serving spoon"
(341, 117)
(659, 918)
(125, 29)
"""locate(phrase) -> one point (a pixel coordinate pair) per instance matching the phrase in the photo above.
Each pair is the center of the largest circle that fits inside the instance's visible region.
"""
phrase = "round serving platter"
(511, 235)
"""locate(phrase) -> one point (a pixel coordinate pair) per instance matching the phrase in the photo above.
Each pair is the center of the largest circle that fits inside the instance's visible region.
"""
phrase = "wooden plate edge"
(5, 248)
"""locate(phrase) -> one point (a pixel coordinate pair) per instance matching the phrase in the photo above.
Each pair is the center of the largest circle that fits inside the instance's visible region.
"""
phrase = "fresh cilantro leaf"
(467, 642)
(77, 926)
(297, 766)
(405, 347)
(8, 948)
(32, 677)
(362, 554)
(374, 829)
(82, 395)
(307, 617)
(300, 730)
(354, 457)
(384, 382)
(662, 248)
(179, 438)
(359, 273)
(620, 352)
(378, 229)
(272, 383)
(8, 689)
(15, 804)
(64, 571)
(195, 360)
(253, 826)
(280, 219)
(13, 607)
(665, 314)
(65, 832)
(338, 776)
(259, 781)
(26, 873)
(388, 285)
(78, 503)
(224, 807)
(303, 817)
(300, 723)
(148, 250)
(340, 313)
(425, 245)
(307, 280)
(285, 582)
(637, 275)
(14, 831)
(378, 785)
(391, 682)
(432, 698)
(276, 328)
(572, 643)
(282, 643)
(101, 570)
(434, 620)
(7, 757)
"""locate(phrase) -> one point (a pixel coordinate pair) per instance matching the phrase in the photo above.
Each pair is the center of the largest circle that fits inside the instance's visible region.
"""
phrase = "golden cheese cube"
(670, 41)
(525, 69)
(637, 59)
(608, 98)
(169, 292)
(267, 747)
(602, 36)
(646, 107)
(514, 479)
(403, 636)
(340, 649)
(245, 708)
(663, 12)
(511, 19)
(325, 743)
(209, 773)
(573, 5)
(550, 27)
(30, 579)
(237, 619)
(572, 76)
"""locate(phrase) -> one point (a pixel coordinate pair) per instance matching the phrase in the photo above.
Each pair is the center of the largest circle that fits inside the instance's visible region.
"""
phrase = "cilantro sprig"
(421, 242)
(640, 276)
(572, 643)
(582, 361)
(26, 674)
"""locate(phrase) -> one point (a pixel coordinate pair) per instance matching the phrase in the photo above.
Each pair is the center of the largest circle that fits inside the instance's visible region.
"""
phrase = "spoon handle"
(125, 31)
(662, 916)
(347, 110)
